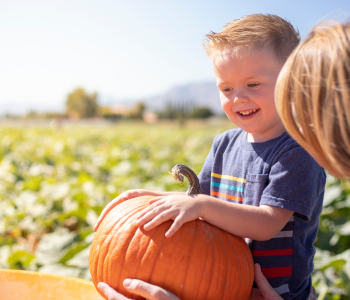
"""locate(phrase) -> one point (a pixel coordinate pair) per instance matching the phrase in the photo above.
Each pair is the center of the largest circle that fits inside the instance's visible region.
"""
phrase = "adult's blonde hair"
(313, 96)
(255, 32)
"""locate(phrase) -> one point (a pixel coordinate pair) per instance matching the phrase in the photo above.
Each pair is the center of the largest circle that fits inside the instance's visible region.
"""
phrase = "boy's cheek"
(225, 103)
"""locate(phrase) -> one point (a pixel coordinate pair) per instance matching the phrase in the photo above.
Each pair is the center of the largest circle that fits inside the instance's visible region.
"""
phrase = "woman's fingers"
(107, 209)
(264, 287)
(147, 290)
(121, 198)
(110, 293)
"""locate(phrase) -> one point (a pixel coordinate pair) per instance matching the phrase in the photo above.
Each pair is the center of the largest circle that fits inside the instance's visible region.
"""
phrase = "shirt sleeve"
(296, 182)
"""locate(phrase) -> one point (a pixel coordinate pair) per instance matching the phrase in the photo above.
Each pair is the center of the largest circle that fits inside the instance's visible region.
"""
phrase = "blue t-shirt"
(280, 173)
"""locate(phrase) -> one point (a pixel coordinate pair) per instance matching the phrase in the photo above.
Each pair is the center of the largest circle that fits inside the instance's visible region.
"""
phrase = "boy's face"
(247, 83)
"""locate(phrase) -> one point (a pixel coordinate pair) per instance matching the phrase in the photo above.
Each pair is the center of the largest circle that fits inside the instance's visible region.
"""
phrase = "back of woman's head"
(313, 96)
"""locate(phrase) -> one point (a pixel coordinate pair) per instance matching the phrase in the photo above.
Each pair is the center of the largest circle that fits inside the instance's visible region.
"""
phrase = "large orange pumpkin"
(200, 261)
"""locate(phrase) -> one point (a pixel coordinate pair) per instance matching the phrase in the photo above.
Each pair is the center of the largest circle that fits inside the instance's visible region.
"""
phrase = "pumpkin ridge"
(214, 286)
(128, 210)
(207, 229)
(204, 264)
(156, 258)
(101, 257)
(176, 243)
(134, 208)
(234, 253)
(143, 254)
(214, 257)
(226, 258)
(92, 265)
(249, 264)
(149, 241)
(234, 250)
(131, 234)
(196, 271)
(188, 265)
(244, 260)
(108, 219)
(129, 267)
(221, 258)
(97, 238)
(167, 270)
(111, 215)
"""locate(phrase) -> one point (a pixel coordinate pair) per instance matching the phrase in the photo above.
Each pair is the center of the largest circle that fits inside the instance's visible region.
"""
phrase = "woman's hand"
(121, 198)
(181, 208)
(265, 291)
(152, 292)
(137, 287)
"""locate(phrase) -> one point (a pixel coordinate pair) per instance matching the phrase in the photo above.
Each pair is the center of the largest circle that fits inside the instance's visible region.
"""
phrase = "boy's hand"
(121, 198)
(180, 208)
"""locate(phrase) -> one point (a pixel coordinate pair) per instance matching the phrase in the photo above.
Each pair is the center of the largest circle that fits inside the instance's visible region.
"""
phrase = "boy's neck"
(264, 137)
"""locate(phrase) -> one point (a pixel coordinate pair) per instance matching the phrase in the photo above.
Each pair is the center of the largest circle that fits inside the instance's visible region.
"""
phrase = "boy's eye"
(252, 85)
(227, 89)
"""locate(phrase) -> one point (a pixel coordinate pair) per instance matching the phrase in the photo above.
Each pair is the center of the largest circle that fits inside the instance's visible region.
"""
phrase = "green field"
(54, 182)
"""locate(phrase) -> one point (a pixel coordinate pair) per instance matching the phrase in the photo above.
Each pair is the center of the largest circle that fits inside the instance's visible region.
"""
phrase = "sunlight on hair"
(313, 96)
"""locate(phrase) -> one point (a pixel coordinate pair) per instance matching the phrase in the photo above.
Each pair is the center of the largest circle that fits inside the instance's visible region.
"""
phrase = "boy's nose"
(240, 100)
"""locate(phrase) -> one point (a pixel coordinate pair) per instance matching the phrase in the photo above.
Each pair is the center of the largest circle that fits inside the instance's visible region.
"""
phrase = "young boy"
(258, 165)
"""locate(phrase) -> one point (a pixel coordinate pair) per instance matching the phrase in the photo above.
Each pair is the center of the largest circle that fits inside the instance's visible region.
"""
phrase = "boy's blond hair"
(255, 32)
(313, 96)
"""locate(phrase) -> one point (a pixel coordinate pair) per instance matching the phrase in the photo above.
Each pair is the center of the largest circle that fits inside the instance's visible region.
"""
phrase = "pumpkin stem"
(179, 171)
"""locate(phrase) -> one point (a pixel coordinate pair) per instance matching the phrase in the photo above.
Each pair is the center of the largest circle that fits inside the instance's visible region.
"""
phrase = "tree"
(81, 105)
(177, 109)
(137, 111)
(201, 113)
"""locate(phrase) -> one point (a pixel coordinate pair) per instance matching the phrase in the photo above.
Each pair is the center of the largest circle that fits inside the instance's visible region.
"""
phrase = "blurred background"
(98, 97)
(127, 52)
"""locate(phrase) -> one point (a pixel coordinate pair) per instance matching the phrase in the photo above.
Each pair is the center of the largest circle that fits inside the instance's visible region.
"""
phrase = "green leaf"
(20, 259)
(336, 263)
(53, 246)
(344, 229)
(73, 250)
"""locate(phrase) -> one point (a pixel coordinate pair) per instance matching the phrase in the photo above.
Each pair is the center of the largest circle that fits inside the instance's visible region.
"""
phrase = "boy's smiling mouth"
(248, 112)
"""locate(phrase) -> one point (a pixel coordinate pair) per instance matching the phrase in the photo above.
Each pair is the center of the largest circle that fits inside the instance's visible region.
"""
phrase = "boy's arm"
(258, 223)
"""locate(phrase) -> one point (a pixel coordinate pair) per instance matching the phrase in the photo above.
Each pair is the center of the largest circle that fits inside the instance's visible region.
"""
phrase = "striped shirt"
(279, 173)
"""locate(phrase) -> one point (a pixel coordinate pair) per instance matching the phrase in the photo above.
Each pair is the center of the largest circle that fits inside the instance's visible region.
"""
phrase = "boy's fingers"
(153, 219)
(149, 209)
(143, 213)
(265, 288)
(110, 293)
(174, 227)
(147, 290)
(156, 199)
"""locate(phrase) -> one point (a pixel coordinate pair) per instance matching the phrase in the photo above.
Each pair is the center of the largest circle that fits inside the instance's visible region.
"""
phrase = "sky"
(124, 50)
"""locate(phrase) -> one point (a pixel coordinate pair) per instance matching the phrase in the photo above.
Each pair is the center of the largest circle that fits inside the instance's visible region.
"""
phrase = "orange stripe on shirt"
(226, 196)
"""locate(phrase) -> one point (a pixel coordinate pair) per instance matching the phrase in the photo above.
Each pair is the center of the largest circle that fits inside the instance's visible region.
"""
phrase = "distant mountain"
(200, 94)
